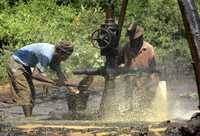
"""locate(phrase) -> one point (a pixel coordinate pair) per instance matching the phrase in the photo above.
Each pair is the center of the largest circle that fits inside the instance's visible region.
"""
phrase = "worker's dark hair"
(64, 47)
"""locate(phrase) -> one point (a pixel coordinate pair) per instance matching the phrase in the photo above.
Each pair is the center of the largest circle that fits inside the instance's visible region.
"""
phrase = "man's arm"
(37, 75)
(61, 77)
(120, 59)
(153, 71)
(152, 64)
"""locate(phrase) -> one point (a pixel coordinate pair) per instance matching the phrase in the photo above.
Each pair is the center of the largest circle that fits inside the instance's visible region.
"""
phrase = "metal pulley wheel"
(101, 38)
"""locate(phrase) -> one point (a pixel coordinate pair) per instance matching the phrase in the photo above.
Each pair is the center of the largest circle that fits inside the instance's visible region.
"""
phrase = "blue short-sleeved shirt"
(35, 55)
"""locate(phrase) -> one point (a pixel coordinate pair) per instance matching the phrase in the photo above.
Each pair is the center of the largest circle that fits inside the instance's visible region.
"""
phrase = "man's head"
(63, 50)
(135, 34)
(134, 31)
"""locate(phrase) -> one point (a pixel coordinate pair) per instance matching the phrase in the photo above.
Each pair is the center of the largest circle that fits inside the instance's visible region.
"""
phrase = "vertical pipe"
(121, 17)
(107, 107)
(192, 27)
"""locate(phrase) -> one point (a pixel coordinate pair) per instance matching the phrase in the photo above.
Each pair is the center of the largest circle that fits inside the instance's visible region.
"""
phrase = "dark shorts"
(22, 88)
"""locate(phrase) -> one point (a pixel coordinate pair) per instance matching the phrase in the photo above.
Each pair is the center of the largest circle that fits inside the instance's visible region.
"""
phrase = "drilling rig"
(107, 40)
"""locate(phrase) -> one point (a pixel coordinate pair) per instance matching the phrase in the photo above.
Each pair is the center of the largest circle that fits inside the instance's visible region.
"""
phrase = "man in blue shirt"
(38, 56)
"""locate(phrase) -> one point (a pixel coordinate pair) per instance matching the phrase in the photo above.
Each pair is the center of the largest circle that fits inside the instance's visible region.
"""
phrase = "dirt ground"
(51, 116)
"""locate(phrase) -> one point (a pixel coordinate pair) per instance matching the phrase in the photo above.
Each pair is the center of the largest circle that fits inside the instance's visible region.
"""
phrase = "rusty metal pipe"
(192, 27)
(110, 13)
(121, 17)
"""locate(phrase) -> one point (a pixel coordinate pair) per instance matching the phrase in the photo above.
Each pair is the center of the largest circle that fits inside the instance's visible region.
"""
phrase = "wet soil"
(52, 117)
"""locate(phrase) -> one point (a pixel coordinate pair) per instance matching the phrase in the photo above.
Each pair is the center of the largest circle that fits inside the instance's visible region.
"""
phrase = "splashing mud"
(159, 104)
(138, 103)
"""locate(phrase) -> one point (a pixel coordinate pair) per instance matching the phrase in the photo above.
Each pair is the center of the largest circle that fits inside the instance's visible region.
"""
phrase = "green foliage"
(83, 25)
(81, 3)
(45, 21)
(197, 3)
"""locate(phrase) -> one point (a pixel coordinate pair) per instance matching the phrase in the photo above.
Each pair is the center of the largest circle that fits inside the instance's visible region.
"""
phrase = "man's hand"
(72, 90)
(37, 75)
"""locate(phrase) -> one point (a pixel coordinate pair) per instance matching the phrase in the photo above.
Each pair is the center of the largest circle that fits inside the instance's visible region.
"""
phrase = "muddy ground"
(51, 116)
